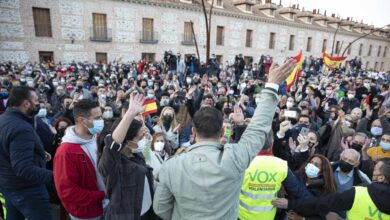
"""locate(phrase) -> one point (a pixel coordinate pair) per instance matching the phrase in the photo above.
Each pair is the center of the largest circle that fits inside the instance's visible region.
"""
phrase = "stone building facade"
(72, 28)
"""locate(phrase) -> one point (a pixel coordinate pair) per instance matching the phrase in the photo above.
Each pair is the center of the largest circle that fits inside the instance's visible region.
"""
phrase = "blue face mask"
(311, 170)
(385, 146)
(376, 131)
(98, 126)
(42, 113)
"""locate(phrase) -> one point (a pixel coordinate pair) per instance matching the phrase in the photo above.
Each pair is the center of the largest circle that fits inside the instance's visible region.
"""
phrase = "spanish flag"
(332, 62)
(151, 107)
(296, 71)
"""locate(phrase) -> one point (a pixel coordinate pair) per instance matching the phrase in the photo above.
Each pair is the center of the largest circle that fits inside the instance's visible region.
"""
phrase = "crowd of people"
(224, 141)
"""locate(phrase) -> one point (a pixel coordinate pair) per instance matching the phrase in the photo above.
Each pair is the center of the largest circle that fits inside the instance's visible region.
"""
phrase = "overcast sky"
(376, 12)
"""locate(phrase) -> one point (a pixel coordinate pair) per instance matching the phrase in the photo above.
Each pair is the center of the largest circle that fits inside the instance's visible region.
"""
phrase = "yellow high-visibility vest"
(263, 179)
(2, 200)
(364, 208)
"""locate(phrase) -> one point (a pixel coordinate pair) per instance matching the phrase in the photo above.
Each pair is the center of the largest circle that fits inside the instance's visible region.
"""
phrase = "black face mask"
(345, 166)
(293, 121)
(356, 147)
(167, 119)
(311, 144)
(79, 87)
(227, 111)
(34, 110)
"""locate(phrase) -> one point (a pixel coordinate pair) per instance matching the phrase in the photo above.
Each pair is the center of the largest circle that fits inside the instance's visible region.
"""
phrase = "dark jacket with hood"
(379, 193)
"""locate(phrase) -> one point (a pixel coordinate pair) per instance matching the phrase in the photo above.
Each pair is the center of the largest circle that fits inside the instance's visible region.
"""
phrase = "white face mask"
(328, 92)
(159, 146)
(311, 170)
(108, 115)
(351, 96)
(141, 146)
(367, 85)
(150, 96)
(290, 104)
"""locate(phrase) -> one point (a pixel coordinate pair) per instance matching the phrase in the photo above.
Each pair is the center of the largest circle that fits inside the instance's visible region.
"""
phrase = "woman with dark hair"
(318, 177)
(317, 174)
(158, 152)
(128, 180)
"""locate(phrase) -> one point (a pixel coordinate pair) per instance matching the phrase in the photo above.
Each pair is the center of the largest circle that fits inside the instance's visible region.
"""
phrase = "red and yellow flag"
(332, 62)
(294, 75)
(151, 107)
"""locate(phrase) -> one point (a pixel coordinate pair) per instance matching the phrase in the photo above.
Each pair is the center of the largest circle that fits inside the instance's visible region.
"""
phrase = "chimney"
(347, 18)
(318, 11)
(298, 6)
(293, 6)
(314, 11)
(333, 15)
(325, 13)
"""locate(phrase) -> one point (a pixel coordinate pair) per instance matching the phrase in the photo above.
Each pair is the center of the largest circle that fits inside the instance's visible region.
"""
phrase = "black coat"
(124, 178)
(22, 155)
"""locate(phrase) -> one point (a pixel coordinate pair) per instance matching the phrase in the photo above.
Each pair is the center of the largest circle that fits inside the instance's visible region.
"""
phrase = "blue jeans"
(31, 203)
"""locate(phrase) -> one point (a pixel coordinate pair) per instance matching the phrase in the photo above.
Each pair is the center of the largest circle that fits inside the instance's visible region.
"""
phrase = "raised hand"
(292, 144)
(278, 74)
(238, 116)
(344, 143)
(176, 128)
(284, 126)
(136, 103)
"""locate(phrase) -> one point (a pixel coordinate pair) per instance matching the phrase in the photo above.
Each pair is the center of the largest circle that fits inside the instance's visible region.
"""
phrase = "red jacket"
(75, 181)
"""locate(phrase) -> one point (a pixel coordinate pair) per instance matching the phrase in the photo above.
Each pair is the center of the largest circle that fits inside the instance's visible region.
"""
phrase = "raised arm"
(135, 107)
(256, 133)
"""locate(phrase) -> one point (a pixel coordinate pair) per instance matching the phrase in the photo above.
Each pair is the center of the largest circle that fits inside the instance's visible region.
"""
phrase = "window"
(248, 42)
(379, 51)
(292, 42)
(272, 40)
(248, 7)
(349, 49)
(46, 56)
(369, 50)
(360, 49)
(337, 47)
(188, 38)
(101, 57)
(220, 35)
(99, 29)
(219, 58)
(384, 52)
(219, 3)
(147, 29)
(324, 45)
(382, 66)
(367, 65)
(150, 57)
(42, 22)
(308, 46)
(376, 66)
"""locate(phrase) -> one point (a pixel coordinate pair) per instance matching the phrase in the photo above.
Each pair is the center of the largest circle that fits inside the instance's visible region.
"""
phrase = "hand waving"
(278, 74)
(136, 103)
(238, 116)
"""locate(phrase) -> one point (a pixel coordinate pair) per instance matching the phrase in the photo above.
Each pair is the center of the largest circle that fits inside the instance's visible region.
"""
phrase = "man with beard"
(23, 159)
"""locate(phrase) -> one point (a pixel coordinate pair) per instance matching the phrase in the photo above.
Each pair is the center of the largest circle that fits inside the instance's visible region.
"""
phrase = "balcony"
(188, 39)
(148, 37)
(101, 34)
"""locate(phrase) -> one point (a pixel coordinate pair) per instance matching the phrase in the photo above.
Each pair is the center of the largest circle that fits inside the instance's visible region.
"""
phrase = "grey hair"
(357, 154)
(360, 134)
